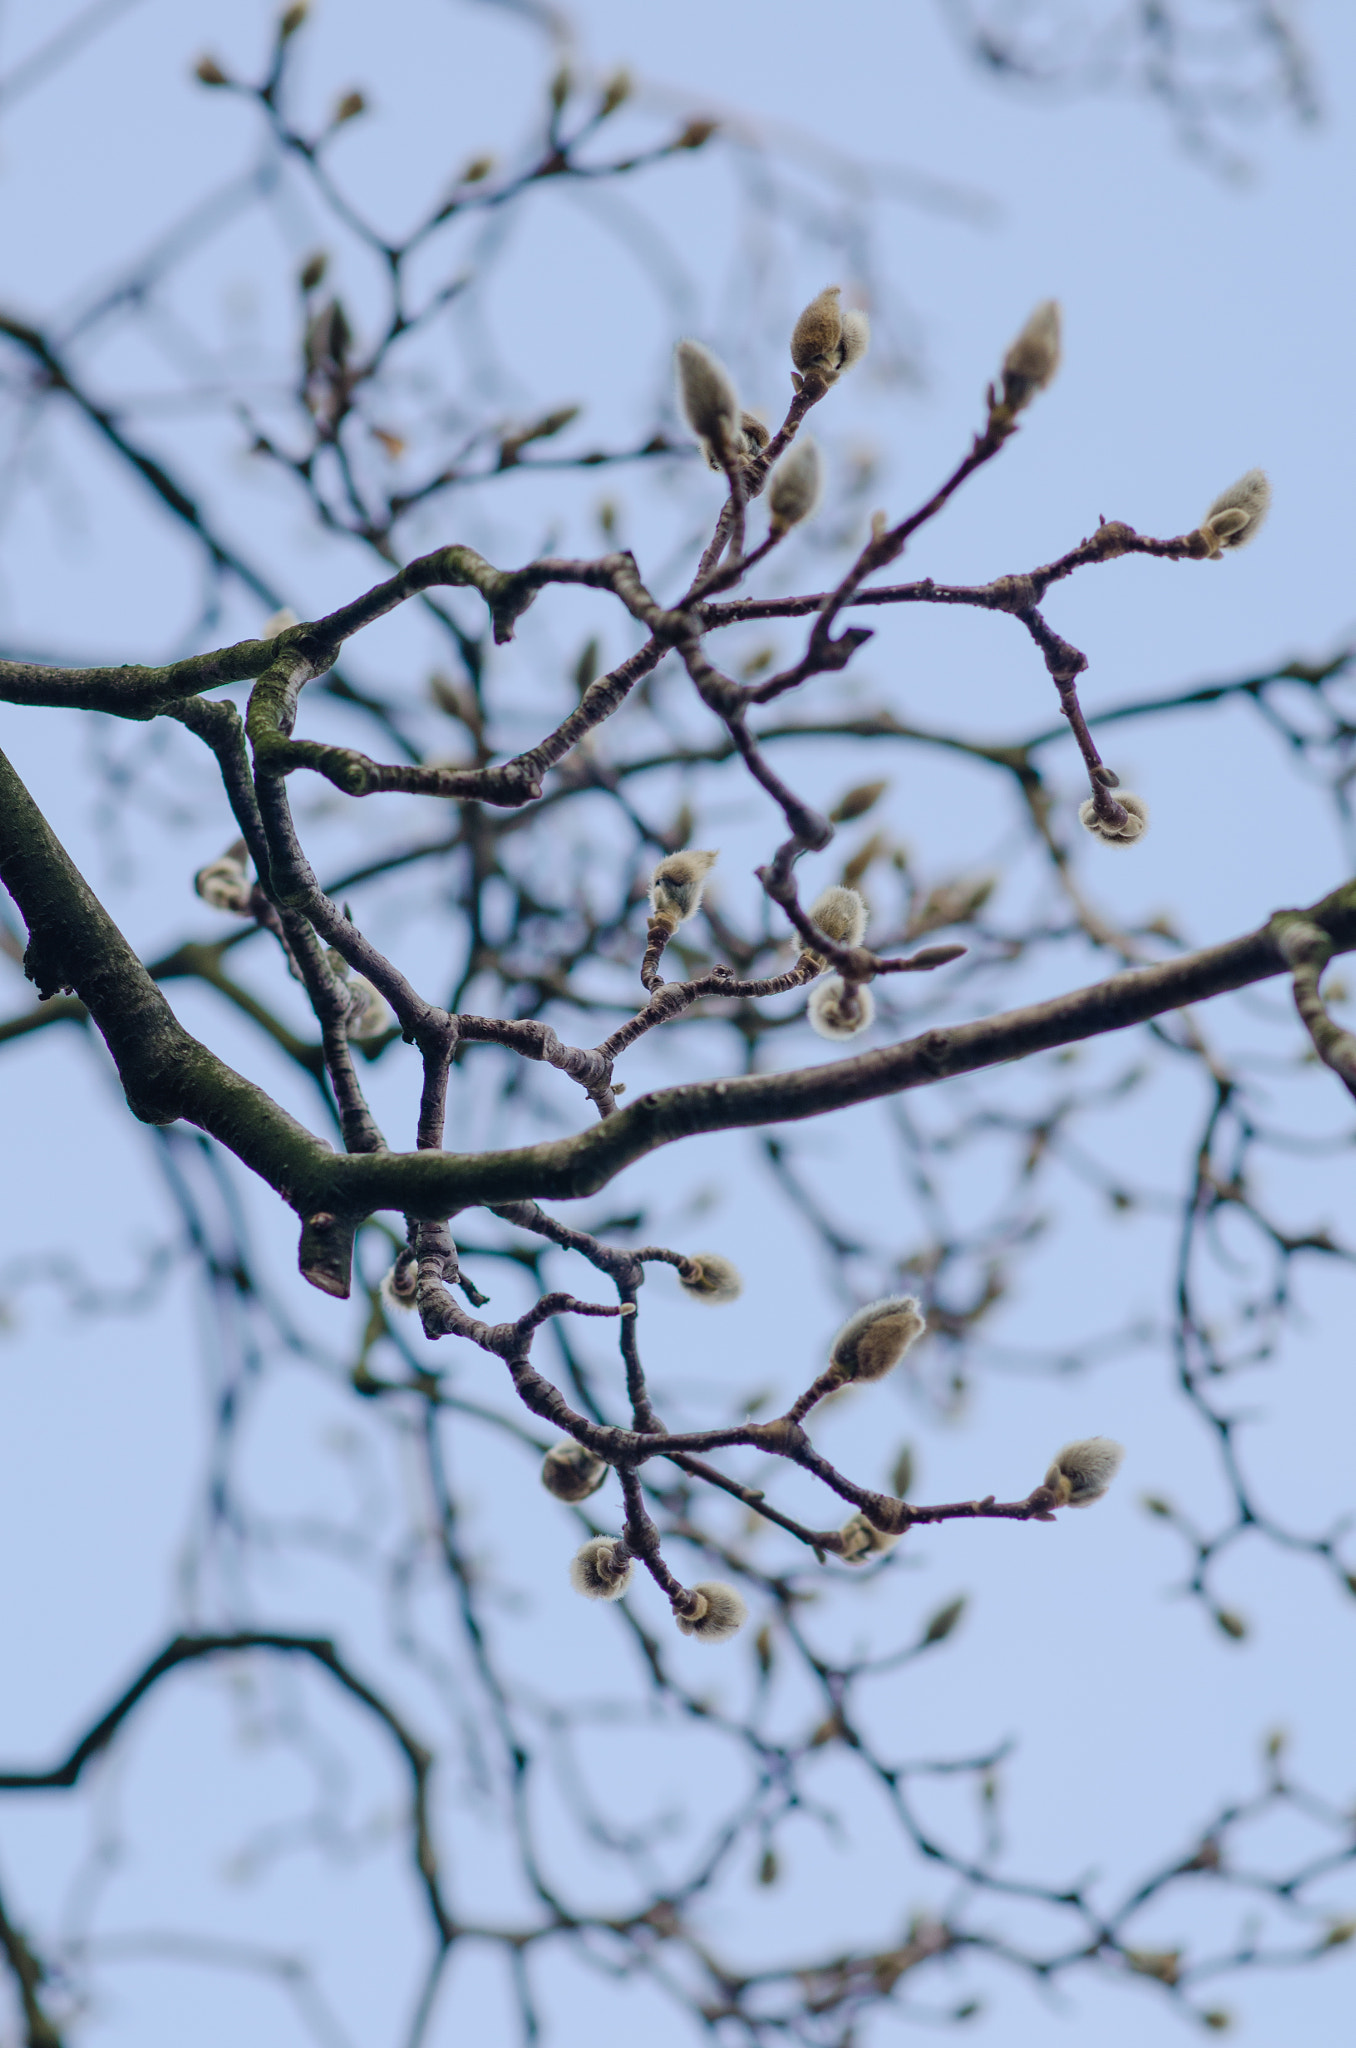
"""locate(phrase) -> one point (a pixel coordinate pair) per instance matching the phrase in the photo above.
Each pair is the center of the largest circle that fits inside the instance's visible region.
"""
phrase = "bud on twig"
(1237, 514)
(825, 340)
(943, 1622)
(1135, 825)
(207, 71)
(370, 1015)
(1082, 1472)
(677, 884)
(348, 109)
(861, 1541)
(313, 270)
(1032, 360)
(601, 1568)
(841, 915)
(872, 1342)
(571, 1471)
(293, 19)
(709, 1277)
(224, 884)
(710, 402)
(794, 490)
(400, 1285)
(857, 802)
(721, 1614)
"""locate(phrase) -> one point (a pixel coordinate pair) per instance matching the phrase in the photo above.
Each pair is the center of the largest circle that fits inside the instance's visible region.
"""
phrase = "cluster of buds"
(826, 341)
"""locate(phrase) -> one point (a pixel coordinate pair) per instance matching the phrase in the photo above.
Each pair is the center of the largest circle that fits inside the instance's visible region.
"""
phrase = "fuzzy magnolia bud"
(841, 915)
(1082, 1472)
(277, 622)
(1032, 360)
(861, 1541)
(400, 1285)
(720, 1615)
(709, 400)
(872, 1342)
(709, 1277)
(1234, 518)
(1135, 826)
(571, 1471)
(601, 1568)
(224, 884)
(825, 340)
(794, 490)
(369, 1012)
(840, 1009)
(751, 439)
(677, 883)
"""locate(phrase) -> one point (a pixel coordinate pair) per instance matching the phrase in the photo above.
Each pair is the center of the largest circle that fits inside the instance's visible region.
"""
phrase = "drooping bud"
(1032, 360)
(601, 1568)
(571, 1471)
(840, 1009)
(796, 481)
(400, 1284)
(677, 884)
(224, 883)
(1134, 828)
(710, 1278)
(370, 1015)
(709, 400)
(1082, 1472)
(1237, 514)
(861, 1541)
(872, 1342)
(720, 1615)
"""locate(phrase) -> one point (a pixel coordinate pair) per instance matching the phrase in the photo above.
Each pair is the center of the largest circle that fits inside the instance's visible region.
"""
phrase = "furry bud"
(709, 1277)
(400, 1285)
(677, 883)
(1082, 1472)
(224, 884)
(826, 341)
(292, 20)
(840, 1009)
(861, 1541)
(1234, 518)
(369, 1013)
(721, 1614)
(872, 1342)
(1135, 826)
(601, 1568)
(751, 439)
(571, 1471)
(284, 618)
(709, 400)
(841, 915)
(1032, 360)
(794, 490)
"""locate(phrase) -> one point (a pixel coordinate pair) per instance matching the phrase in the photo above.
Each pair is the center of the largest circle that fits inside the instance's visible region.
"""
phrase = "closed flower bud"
(709, 400)
(601, 1568)
(1163, 1963)
(348, 109)
(861, 1541)
(840, 1009)
(857, 802)
(709, 1277)
(825, 340)
(1082, 1472)
(1236, 515)
(224, 884)
(207, 71)
(677, 883)
(872, 1342)
(1033, 358)
(1134, 827)
(293, 19)
(794, 490)
(313, 270)
(400, 1285)
(571, 1471)
(841, 915)
(280, 621)
(370, 1014)
(721, 1614)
